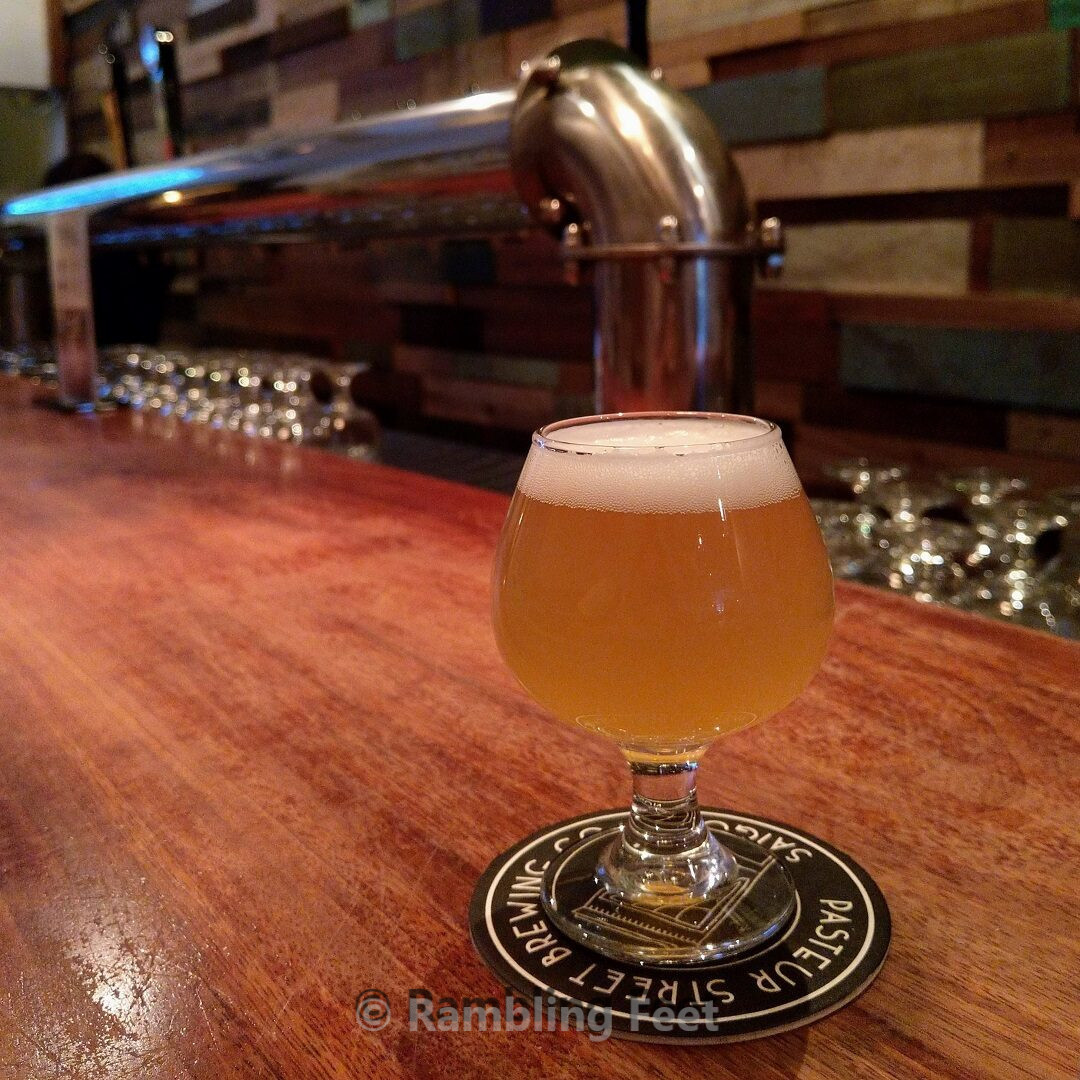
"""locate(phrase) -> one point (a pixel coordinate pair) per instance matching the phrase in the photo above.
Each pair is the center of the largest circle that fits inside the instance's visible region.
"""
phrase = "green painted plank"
(1039, 369)
(1001, 77)
(31, 137)
(879, 256)
(764, 108)
(1040, 255)
(1063, 14)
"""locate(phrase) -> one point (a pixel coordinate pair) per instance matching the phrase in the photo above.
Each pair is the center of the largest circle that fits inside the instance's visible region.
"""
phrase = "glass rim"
(545, 438)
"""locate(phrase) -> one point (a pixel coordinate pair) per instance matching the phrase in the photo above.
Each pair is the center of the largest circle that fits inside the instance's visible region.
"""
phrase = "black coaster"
(828, 952)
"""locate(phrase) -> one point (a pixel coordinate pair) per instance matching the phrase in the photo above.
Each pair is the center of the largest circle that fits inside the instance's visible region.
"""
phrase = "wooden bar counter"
(258, 746)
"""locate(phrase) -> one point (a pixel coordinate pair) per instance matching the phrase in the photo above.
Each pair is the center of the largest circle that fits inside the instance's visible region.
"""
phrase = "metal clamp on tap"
(764, 242)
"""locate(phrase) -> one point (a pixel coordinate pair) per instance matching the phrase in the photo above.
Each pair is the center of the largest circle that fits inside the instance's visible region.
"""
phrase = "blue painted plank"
(761, 108)
(1039, 369)
(432, 28)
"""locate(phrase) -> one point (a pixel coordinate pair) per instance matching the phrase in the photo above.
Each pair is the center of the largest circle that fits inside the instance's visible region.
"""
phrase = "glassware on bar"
(12, 362)
(286, 397)
(1066, 501)
(981, 487)
(33, 361)
(859, 473)
(354, 433)
(222, 401)
(345, 426)
(850, 530)
(661, 580)
(1014, 582)
(1015, 527)
(908, 500)
(926, 559)
(1064, 566)
(921, 554)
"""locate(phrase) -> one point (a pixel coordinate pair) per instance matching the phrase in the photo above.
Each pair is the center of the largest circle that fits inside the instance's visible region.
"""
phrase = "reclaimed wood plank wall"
(925, 155)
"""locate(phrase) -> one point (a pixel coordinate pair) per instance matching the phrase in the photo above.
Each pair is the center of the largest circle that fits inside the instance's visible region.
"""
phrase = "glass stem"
(665, 853)
(664, 814)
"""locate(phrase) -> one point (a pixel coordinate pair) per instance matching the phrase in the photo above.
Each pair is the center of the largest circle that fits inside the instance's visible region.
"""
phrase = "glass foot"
(737, 917)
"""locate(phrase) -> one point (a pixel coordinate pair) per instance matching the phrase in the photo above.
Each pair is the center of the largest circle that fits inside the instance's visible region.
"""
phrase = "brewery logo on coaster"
(826, 954)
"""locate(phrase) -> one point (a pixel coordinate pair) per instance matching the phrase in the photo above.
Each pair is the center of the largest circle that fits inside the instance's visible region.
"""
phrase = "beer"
(662, 580)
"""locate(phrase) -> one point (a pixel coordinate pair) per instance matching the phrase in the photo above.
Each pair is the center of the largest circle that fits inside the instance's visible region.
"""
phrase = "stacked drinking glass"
(973, 538)
(281, 396)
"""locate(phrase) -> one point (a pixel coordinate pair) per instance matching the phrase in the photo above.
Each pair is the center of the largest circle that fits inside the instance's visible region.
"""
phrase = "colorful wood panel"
(500, 405)
(368, 12)
(497, 15)
(766, 108)
(218, 17)
(875, 43)
(1033, 368)
(607, 22)
(305, 107)
(1008, 76)
(872, 14)
(722, 40)
(674, 19)
(693, 73)
(292, 11)
(1033, 149)
(1036, 255)
(974, 311)
(870, 256)
(32, 135)
(795, 332)
(916, 158)
(539, 372)
(1044, 434)
(914, 415)
(430, 29)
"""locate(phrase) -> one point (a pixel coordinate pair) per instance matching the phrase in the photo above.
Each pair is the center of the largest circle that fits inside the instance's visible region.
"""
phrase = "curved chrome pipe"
(632, 165)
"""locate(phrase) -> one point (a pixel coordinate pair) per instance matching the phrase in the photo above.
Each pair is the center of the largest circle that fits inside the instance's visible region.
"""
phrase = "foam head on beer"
(663, 465)
(662, 580)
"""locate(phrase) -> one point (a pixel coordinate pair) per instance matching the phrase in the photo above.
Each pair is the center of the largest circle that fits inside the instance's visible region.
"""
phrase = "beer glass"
(660, 579)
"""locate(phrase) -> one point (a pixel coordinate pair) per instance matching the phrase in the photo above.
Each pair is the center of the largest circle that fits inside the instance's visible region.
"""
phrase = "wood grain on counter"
(258, 746)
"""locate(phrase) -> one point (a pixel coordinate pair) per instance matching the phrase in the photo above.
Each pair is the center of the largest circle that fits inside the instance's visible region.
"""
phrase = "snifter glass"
(661, 580)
